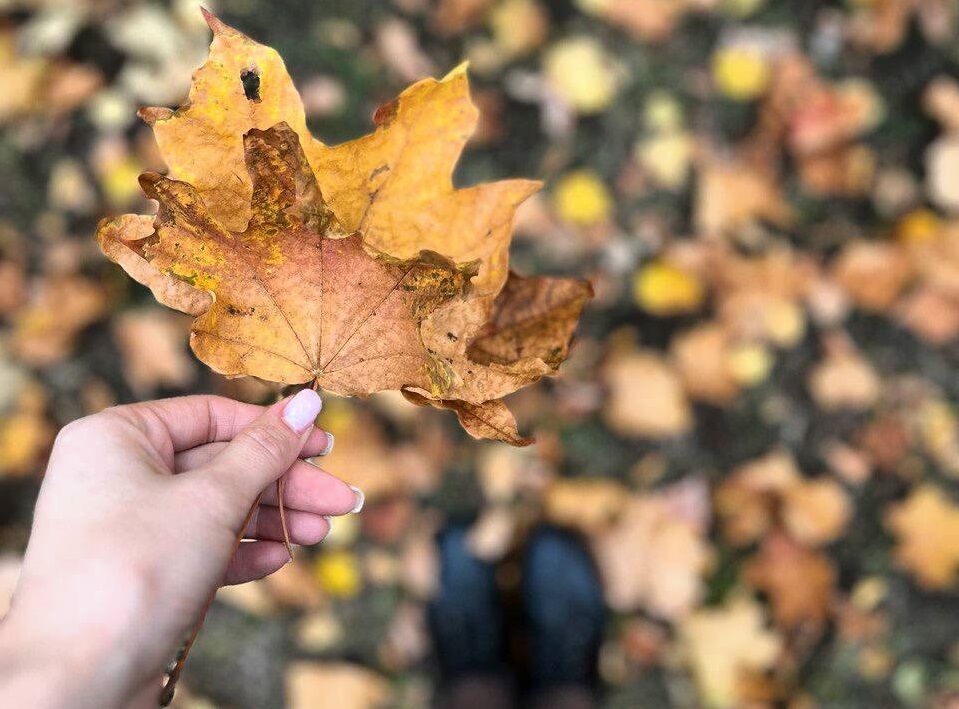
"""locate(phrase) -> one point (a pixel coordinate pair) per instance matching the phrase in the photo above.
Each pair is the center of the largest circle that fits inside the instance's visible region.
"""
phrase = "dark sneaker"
(565, 612)
(465, 616)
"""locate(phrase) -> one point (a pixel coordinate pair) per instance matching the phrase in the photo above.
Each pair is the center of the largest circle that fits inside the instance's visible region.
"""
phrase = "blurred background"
(756, 433)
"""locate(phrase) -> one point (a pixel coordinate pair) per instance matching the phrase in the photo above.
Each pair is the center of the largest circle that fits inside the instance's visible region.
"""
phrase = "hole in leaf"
(251, 84)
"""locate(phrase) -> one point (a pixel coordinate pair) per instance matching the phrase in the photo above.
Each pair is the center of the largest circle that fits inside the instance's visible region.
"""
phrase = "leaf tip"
(460, 69)
(212, 21)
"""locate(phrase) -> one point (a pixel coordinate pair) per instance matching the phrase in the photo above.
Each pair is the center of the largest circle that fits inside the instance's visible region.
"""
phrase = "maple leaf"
(394, 189)
(368, 182)
(294, 299)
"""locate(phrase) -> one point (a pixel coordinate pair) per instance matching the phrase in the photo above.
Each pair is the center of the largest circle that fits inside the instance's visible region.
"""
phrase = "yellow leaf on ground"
(581, 198)
(339, 573)
(926, 527)
(581, 73)
(724, 644)
(664, 289)
(740, 72)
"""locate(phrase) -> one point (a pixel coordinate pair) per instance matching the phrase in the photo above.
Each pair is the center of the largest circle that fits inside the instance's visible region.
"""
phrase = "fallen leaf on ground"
(313, 685)
(815, 512)
(151, 343)
(800, 582)
(726, 643)
(926, 527)
(872, 273)
(652, 558)
(746, 501)
(703, 359)
(45, 330)
(589, 505)
(844, 380)
(646, 396)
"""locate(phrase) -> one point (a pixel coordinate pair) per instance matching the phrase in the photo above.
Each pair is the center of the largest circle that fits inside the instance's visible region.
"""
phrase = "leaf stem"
(173, 674)
(282, 506)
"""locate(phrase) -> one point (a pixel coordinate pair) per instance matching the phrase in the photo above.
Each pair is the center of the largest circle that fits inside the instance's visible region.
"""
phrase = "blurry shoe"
(563, 601)
(465, 616)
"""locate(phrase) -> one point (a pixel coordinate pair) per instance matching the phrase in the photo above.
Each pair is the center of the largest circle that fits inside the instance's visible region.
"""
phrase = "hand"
(136, 525)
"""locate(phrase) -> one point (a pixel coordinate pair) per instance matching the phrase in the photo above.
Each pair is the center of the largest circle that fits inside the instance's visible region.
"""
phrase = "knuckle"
(266, 443)
(76, 430)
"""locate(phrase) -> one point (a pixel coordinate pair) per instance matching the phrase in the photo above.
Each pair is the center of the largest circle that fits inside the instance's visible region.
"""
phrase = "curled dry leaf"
(491, 419)
(389, 194)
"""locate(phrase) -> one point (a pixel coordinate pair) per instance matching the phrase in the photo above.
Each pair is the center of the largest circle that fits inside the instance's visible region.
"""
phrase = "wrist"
(28, 676)
(55, 654)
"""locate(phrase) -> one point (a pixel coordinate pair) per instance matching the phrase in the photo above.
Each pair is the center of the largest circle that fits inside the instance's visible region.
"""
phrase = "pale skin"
(134, 528)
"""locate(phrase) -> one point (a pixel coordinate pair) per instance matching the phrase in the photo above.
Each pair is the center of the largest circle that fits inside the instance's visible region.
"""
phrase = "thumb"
(265, 449)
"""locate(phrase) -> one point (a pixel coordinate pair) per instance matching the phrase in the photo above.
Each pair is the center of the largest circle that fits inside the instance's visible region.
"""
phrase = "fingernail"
(329, 445)
(360, 499)
(301, 411)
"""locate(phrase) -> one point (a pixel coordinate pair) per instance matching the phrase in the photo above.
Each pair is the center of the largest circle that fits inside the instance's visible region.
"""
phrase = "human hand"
(134, 528)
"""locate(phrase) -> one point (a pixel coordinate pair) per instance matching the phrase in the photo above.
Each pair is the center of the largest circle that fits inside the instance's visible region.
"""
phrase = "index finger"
(190, 421)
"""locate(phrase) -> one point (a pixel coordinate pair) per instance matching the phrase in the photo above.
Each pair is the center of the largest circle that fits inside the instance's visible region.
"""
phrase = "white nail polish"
(329, 445)
(360, 499)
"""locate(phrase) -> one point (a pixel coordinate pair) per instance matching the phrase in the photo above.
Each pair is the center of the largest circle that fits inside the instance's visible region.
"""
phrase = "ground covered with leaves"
(756, 431)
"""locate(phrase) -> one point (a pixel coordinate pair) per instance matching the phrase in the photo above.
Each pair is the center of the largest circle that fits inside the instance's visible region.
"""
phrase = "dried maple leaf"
(392, 187)
(295, 301)
(367, 182)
